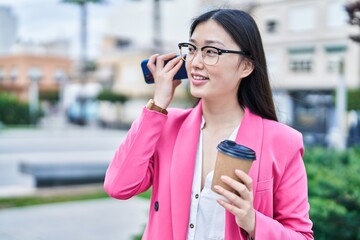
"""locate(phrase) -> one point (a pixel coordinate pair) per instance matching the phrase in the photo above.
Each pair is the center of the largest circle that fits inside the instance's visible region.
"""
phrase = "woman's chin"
(195, 94)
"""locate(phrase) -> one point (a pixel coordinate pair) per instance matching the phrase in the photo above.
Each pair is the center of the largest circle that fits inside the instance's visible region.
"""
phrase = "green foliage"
(46, 199)
(15, 112)
(90, 66)
(50, 96)
(110, 96)
(353, 99)
(334, 193)
(145, 195)
(12, 111)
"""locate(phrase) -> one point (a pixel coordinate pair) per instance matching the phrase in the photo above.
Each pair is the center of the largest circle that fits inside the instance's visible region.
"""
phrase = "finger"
(231, 208)
(245, 178)
(151, 63)
(160, 61)
(174, 62)
(174, 65)
(230, 196)
(239, 187)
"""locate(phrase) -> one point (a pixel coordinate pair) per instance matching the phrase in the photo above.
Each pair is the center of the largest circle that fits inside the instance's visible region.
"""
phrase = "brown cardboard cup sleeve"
(231, 156)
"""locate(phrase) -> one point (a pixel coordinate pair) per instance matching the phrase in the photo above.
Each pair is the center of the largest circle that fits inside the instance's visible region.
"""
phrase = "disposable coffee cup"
(231, 156)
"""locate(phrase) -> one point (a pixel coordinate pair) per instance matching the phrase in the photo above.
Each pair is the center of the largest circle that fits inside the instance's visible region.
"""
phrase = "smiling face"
(222, 79)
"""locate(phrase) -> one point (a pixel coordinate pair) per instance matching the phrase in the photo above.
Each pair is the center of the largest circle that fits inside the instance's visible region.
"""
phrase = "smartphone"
(149, 79)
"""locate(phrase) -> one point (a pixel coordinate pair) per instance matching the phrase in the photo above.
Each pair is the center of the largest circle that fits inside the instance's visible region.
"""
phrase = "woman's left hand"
(241, 206)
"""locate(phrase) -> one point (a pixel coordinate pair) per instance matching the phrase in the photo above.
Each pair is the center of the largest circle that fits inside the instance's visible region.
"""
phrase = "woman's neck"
(222, 113)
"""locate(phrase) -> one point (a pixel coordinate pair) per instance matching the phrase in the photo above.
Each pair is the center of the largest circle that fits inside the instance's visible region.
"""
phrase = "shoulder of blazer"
(178, 115)
(282, 135)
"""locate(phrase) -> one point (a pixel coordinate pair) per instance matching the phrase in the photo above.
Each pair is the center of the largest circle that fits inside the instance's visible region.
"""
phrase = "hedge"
(353, 99)
(13, 111)
(49, 96)
(334, 192)
(110, 96)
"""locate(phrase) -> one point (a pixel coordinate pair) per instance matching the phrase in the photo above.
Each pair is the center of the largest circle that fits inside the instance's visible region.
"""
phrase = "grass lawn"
(57, 197)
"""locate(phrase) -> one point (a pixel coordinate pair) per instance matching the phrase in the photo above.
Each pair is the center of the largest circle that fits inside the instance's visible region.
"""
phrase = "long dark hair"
(254, 91)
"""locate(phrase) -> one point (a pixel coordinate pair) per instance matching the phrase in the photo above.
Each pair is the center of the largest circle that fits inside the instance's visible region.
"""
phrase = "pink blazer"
(160, 150)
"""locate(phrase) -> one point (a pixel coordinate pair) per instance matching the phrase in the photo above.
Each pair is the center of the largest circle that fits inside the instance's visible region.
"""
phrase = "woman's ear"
(247, 67)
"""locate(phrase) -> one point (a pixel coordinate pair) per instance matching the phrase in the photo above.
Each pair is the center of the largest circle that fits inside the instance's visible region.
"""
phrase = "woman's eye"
(191, 49)
(211, 52)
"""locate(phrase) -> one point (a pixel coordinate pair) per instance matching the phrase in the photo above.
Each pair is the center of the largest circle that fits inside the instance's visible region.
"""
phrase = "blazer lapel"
(182, 171)
(250, 134)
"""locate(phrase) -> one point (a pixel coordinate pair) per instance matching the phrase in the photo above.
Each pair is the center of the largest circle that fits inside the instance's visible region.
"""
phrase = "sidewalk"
(105, 219)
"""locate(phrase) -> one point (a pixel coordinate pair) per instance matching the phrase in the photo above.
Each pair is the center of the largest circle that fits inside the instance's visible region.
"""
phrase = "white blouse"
(207, 217)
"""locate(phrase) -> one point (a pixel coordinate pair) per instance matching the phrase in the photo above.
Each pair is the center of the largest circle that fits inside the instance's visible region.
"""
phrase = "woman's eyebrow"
(213, 41)
(207, 41)
(192, 40)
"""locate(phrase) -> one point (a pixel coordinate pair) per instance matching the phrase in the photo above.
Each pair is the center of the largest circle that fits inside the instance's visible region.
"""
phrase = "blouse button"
(196, 196)
(191, 225)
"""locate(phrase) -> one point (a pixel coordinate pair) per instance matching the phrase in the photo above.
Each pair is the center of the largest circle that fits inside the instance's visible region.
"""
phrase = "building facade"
(310, 59)
(18, 71)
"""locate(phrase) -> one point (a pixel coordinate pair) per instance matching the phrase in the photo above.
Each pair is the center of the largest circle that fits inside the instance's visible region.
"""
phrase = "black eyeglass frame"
(219, 50)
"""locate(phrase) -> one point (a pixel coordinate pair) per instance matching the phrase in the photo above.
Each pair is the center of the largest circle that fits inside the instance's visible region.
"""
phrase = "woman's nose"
(198, 60)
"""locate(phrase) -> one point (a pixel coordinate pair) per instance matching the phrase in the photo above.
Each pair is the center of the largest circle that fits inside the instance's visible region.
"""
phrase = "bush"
(334, 193)
(110, 96)
(353, 99)
(49, 96)
(14, 112)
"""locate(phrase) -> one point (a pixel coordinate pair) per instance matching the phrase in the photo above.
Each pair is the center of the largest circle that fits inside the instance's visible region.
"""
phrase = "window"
(335, 15)
(301, 65)
(35, 74)
(14, 74)
(334, 56)
(59, 75)
(271, 26)
(301, 60)
(302, 18)
(2, 74)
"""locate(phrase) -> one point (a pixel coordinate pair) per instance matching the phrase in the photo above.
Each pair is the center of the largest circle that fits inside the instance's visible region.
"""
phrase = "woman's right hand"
(163, 76)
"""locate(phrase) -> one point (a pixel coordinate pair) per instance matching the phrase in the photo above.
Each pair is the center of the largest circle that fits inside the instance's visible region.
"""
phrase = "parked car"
(82, 112)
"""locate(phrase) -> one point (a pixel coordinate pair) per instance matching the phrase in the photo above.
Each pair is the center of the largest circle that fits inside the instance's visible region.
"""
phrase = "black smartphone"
(149, 79)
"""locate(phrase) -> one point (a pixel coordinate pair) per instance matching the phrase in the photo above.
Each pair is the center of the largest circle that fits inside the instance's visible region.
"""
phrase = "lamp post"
(35, 76)
(157, 41)
(61, 78)
(341, 107)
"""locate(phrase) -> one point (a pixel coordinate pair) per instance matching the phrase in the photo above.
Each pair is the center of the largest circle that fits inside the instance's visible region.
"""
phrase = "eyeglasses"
(210, 55)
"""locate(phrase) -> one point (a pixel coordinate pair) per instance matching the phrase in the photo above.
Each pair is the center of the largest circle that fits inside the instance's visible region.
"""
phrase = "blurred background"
(71, 85)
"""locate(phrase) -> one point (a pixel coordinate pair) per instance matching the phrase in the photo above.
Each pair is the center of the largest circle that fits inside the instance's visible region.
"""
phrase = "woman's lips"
(198, 79)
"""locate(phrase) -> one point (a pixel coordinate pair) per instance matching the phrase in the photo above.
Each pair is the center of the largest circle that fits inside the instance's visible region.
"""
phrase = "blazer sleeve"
(131, 170)
(291, 208)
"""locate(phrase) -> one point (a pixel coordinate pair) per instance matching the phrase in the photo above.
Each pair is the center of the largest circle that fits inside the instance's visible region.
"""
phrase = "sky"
(46, 20)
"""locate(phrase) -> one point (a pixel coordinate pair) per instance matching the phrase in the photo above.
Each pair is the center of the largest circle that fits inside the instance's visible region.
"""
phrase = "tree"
(353, 10)
(83, 29)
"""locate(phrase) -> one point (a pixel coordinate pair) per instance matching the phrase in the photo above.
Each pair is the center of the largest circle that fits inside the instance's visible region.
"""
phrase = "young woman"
(174, 150)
